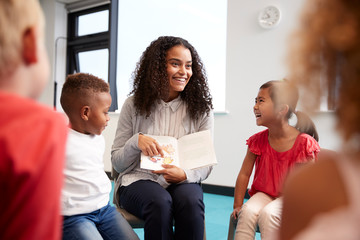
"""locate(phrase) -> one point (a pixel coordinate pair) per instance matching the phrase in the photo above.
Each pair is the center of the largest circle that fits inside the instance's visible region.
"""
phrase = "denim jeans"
(105, 223)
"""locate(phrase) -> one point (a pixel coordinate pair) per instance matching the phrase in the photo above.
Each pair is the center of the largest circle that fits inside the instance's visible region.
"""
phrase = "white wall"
(56, 30)
(254, 56)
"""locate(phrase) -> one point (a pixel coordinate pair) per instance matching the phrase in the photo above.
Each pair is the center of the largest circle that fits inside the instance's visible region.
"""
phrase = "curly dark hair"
(151, 80)
(81, 87)
(325, 54)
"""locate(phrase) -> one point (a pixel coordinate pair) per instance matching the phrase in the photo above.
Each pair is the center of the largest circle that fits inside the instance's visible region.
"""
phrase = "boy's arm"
(242, 181)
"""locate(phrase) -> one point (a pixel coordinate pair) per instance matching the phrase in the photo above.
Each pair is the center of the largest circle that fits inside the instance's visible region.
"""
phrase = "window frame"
(96, 41)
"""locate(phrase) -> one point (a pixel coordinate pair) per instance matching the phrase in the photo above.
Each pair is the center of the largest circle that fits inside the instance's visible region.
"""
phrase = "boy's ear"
(30, 46)
(85, 112)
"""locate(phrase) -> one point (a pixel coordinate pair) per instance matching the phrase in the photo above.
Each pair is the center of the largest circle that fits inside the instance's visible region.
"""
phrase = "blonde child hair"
(15, 17)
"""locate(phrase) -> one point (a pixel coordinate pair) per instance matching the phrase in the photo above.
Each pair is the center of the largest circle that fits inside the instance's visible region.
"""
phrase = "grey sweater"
(166, 119)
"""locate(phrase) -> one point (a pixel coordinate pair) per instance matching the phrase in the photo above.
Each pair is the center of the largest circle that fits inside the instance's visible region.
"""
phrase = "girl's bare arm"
(242, 181)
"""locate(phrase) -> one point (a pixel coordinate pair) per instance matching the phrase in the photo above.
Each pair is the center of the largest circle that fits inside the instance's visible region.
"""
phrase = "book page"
(196, 150)
(170, 149)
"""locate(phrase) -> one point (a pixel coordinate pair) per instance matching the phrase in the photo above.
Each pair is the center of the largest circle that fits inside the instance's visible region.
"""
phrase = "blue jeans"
(105, 223)
(159, 207)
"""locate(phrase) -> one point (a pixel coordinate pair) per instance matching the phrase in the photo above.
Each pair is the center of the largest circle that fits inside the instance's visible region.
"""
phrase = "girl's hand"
(235, 213)
(171, 173)
(149, 146)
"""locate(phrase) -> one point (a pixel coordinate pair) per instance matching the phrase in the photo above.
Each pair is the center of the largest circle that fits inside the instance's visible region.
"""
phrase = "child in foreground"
(85, 197)
(321, 201)
(32, 136)
(274, 152)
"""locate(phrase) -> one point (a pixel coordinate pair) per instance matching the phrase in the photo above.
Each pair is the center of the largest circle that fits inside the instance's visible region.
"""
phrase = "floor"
(217, 214)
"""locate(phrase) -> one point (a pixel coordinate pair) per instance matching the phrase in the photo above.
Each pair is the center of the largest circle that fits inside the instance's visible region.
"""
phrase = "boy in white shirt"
(85, 196)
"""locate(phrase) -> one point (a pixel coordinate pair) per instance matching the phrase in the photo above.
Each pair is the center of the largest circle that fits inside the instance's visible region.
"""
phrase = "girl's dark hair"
(283, 92)
(151, 80)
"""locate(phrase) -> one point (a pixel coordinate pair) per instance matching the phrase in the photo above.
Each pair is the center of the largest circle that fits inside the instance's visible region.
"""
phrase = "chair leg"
(204, 231)
(232, 227)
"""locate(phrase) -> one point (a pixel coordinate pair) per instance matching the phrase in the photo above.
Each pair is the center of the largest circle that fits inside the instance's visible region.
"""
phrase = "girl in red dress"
(273, 152)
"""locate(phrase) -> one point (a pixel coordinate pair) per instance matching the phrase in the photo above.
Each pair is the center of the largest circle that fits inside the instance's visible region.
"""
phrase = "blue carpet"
(217, 215)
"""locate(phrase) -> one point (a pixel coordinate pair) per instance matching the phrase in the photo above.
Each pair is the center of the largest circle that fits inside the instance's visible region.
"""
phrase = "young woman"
(170, 97)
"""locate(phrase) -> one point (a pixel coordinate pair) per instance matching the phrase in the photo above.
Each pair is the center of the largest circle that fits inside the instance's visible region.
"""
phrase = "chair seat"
(134, 221)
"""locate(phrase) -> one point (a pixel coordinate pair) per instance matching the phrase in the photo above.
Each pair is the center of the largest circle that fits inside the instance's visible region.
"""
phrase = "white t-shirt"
(86, 186)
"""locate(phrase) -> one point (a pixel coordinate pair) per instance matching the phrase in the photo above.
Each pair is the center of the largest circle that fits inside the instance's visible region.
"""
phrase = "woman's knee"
(158, 212)
(159, 203)
(190, 204)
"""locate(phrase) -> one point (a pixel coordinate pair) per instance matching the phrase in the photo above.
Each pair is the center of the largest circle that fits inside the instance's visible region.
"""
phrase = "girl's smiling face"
(264, 108)
(179, 70)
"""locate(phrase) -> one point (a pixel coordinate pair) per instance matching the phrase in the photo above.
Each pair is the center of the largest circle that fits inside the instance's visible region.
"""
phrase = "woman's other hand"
(172, 174)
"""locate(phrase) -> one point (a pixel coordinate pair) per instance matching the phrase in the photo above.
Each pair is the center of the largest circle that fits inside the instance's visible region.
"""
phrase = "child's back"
(32, 136)
(32, 145)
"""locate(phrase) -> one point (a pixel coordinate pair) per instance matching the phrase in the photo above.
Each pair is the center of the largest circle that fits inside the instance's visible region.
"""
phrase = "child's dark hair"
(283, 92)
(81, 87)
(151, 80)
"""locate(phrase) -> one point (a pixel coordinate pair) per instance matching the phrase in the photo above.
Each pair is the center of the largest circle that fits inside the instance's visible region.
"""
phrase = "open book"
(188, 152)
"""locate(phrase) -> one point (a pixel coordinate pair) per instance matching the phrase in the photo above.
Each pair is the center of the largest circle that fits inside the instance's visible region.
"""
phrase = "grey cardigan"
(125, 154)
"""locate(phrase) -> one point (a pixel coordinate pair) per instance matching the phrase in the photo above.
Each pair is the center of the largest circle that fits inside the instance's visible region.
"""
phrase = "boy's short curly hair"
(151, 81)
(80, 88)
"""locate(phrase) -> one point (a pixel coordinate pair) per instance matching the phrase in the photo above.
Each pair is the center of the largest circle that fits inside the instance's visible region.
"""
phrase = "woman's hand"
(236, 211)
(172, 174)
(149, 146)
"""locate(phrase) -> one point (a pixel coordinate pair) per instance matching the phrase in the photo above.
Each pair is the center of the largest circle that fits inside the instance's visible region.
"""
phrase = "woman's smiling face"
(179, 69)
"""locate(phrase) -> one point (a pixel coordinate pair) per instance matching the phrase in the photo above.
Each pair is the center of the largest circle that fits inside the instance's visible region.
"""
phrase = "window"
(89, 44)
(107, 41)
(93, 23)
